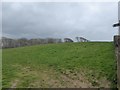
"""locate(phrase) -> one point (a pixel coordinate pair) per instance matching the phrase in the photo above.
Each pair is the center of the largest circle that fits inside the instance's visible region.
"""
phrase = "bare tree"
(68, 40)
(81, 39)
(78, 39)
(23, 42)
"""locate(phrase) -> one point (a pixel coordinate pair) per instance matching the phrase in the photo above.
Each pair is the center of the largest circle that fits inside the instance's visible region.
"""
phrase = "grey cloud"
(31, 20)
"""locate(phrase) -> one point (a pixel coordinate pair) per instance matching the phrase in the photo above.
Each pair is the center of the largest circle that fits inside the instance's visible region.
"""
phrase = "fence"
(117, 51)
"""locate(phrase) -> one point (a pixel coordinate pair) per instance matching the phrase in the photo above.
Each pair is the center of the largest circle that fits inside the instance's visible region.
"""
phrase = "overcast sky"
(60, 20)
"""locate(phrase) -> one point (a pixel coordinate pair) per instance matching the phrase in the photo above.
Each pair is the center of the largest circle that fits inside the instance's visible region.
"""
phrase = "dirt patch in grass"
(72, 79)
(96, 80)
(28, 77)
(48, 78)
(14, 83)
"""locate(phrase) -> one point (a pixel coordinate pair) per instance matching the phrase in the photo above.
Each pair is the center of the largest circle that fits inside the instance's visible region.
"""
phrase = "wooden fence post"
(117, 50)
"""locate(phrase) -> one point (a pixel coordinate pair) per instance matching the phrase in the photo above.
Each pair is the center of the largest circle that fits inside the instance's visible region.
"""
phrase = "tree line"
(12, 43)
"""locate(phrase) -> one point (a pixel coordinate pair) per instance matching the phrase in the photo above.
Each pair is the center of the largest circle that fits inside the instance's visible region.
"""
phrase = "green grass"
(94, 59)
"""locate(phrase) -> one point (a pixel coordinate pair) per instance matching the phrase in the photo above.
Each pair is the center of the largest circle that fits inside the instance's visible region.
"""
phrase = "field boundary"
(117, 52)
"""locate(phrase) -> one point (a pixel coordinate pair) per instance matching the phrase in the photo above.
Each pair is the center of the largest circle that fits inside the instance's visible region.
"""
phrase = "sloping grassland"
(87, 64)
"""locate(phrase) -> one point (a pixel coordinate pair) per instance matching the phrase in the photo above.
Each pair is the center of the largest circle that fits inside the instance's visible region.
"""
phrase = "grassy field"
(90, 64)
